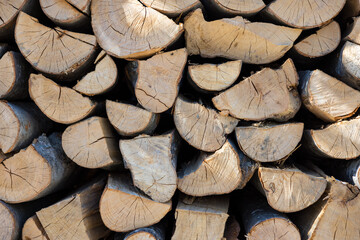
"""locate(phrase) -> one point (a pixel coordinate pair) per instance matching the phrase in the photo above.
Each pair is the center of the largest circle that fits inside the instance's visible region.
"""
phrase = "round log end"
(274, 229)
(9, 127)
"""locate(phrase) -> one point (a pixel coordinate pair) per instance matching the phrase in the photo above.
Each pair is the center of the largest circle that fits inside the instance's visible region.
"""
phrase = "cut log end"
(274, 229)
(9, 226)
(9, 127)
(33, 230)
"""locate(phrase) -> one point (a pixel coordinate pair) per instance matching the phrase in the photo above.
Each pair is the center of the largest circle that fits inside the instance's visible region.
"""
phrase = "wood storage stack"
(179, 119)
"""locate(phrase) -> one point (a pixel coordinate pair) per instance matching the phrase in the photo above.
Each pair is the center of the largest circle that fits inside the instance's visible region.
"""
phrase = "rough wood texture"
(204, 219)
(156, 80)
(58, 53)
(92, 143)
(235, 7)
(268, 94)
(77, 216)
(33, 230)
(37, 171)
(339, 140)
(20, 123)
(152, 162)
(127, 29)
(269, 142)
(14, 73)
(214, 77)
(172, 8)
(326, 97)
(290, 189)
(304, 14)
(202, 127)
(60, 104)
(102, 79)
(124, 208)
(155, 232)
(129, 120)
(234, 38)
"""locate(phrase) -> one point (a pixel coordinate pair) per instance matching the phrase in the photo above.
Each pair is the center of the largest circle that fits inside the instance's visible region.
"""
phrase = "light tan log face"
(138, 33)
(172, 7)
(234, 7)
(8, 226)
(274, 229)
(33, 230)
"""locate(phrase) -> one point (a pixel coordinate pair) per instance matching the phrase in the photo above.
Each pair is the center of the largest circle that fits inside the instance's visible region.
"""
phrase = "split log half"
(14, 71)
(129, 120)
(172, 8)
(321, 43)
(58, 53)
(127, 29)
(268, 94)
(290, 189)
(326, 97)
(353, 33)
(156, 80)
(124, 208)
(202, 127)
(60, 104)
(269, 143)
(152, 162)
(33, 230)
(68, 14)
(77, 216)
(155, 232)
(205, 218)
(233, 7)
(304, 14)
(92, 143)
(232, 228)
(102, 79)
(215, 77)
(338, 140)
(40, 169)
(235, 38)
(20, 123)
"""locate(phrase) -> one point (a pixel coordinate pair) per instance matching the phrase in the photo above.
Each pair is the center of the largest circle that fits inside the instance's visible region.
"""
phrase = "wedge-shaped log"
(152, 162)
(20, 123)
(269, 142)
(172, 8)
(205, 218)
(124, 208)
(235, 38)
(214, 77)
(92, 143)
(129, 120)
(304, 14)
(33, 230)
(60, 104)
(202, 127)
(156, 80)
(128, 29)
(326, 97)
(268, 94)
(58, 53)
(234, 7)
(76, 216)
(40, 169)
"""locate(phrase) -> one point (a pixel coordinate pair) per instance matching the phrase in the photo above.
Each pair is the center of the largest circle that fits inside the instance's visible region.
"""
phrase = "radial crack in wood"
(237, 39)
(172, 8)
(235, 7)
(33, 230)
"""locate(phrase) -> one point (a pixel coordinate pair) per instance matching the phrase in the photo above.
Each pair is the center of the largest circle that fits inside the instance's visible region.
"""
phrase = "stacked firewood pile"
(179, 119)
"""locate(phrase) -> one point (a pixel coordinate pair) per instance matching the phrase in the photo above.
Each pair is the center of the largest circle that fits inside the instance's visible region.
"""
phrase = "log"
(326, 97)
(20, 123)
(172, 8)
(58, 53)
(200, 126)
(205, 218)
(232, 228)
(290, 189)
(92, 143)
(60, 104)
(268, 94)
(213, 173)
(152, 162)
(214, 77)
(40, 169)
(76, 216)
(352, 33)
(138, 33)
(129, 120)
(14, 72)
(33, 230)
(156, 80)
(155, 232)
(338, 140)
(269, 142)
(234, 38)
(102, 79)
(305, 15)
(69, 14)
(245, 8)
(120, 198)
